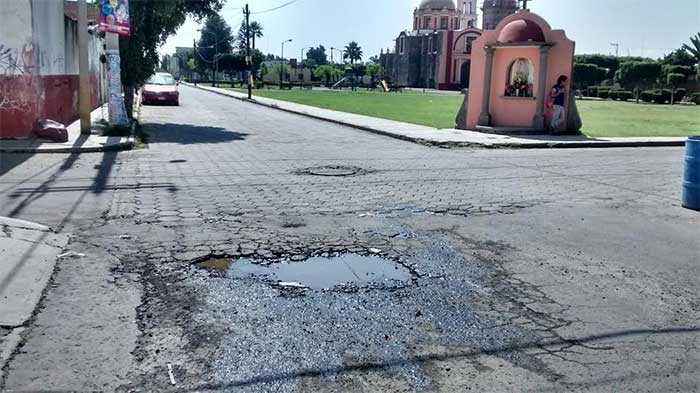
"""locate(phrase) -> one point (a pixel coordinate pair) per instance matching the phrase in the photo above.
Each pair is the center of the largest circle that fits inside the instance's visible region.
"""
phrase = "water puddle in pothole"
(318, 272)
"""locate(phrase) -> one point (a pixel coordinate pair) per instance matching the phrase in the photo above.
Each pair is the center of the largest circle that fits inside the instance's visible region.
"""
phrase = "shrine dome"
(437, 5)
(521, 30)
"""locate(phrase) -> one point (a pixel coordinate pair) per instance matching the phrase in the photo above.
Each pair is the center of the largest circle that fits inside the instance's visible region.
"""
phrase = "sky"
(641, 27)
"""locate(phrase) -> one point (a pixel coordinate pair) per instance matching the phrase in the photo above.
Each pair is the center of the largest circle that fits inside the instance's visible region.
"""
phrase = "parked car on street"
(161, 88)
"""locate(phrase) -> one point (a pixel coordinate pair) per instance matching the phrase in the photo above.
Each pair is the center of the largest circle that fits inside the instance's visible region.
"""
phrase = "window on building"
(520, 79)
(415, 24)
(426, 23)
(468, 46)
(402, 45)
(431, 45)
(444, 23)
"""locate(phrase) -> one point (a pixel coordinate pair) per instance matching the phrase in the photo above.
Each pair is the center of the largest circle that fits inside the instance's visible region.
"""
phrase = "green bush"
(604, 94)
(695, 97)
(613, 95)
(662, 96)
(624, 95)
(680, 94)
(595, 91)
(647, 95)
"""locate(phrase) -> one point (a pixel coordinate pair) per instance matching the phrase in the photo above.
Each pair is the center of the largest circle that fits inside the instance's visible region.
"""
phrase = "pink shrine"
(513, 69)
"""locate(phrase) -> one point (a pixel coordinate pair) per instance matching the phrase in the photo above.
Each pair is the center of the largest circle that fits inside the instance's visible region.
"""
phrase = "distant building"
(437, 52)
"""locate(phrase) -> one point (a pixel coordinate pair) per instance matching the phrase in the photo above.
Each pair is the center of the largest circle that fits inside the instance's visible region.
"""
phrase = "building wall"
(38, 66)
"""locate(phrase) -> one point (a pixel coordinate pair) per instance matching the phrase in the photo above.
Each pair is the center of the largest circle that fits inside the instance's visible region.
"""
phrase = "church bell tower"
(467, 12)
(496, 10)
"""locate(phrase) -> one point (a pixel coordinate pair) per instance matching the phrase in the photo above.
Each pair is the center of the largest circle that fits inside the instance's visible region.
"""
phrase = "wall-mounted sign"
(114, 16)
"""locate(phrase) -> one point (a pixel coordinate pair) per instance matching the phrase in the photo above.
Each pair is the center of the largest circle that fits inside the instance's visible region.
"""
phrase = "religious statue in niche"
(520, 77)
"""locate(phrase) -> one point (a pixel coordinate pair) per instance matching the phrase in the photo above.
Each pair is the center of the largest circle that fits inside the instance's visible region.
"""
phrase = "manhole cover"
(333, 170)
(319, 272)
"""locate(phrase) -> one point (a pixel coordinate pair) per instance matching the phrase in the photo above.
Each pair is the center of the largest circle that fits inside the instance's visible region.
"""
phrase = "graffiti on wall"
(17, 71)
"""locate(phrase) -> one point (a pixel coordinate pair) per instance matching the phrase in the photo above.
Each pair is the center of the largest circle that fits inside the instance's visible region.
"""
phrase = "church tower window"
(444, 23)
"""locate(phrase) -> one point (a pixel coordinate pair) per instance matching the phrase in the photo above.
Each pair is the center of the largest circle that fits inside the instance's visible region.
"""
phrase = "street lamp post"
(301, 61)
(339, 51)
(282, 63)
(216, 54)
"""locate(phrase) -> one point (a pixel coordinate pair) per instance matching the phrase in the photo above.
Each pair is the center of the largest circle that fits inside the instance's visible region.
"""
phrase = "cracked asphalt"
(539, 270)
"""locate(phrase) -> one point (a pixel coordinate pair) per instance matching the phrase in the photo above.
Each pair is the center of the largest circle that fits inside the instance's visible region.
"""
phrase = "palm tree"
(353, 52)
(256, 31)
(694, 51)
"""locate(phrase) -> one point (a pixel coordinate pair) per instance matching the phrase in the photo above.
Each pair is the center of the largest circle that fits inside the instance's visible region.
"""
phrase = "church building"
(436, 53)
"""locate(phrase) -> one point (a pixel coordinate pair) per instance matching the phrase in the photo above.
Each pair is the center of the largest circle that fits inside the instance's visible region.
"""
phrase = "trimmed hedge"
(680, 94)
(604, 94)
(625, 95)
(695, 97)
(647, 95)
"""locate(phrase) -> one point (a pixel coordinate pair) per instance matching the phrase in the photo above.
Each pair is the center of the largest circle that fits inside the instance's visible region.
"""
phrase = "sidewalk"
(77, 143)
(29, 252)
(448, 137)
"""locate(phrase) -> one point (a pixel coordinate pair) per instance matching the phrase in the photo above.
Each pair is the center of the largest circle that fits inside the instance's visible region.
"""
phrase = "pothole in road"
(319, 273)
(333, 171)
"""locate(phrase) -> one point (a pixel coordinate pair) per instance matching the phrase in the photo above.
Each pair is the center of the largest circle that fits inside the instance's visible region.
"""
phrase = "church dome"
(437, 5)
(521, 31)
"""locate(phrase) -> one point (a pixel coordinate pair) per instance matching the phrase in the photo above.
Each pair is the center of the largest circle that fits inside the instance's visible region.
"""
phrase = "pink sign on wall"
(114, 16)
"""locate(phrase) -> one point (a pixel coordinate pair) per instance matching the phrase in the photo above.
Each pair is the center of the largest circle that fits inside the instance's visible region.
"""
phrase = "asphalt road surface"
(454, 270)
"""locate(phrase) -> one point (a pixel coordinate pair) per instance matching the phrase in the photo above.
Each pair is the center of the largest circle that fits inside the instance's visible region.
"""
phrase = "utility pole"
(617, 48)
(83, 65)
(248, 59)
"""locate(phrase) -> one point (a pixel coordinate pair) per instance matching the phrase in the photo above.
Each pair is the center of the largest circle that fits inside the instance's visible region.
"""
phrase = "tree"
(675, 80)
(679, 57)
(152, 22)
(610, 63)
(374, 70)
(353, 52)
(694, 50)
(216, 39)
(256, 31)
(586, 75)
(328, 73)
(191, 67)
(318, 55)
(638, 74)
(165, 63)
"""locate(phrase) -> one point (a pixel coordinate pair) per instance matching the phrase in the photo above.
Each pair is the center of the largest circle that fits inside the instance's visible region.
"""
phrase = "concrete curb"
(95, 149)
(449, 144)
(121, 146)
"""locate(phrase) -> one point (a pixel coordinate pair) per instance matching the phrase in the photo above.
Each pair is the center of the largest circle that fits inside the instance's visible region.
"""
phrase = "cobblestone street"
(530, 270)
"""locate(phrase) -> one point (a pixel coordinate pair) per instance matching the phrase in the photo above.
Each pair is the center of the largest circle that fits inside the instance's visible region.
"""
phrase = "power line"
(275, 8)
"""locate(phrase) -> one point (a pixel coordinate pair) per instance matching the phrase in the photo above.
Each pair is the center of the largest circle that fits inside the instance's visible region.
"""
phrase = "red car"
(161, 88)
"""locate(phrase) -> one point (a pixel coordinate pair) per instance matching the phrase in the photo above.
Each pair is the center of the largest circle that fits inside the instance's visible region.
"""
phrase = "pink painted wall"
(507, 112)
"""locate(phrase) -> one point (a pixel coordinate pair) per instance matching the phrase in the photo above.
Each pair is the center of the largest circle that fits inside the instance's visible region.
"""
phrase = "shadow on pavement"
(189, 134)
(373, 366)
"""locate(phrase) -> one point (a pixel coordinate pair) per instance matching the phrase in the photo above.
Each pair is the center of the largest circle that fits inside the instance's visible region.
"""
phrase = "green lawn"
(614, 118)
(433, 110)
(600, 118)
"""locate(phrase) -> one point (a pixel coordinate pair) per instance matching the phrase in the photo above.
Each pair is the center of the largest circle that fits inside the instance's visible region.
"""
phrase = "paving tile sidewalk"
(77, 143)
(448, 137)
